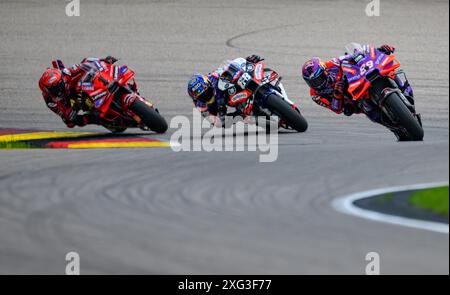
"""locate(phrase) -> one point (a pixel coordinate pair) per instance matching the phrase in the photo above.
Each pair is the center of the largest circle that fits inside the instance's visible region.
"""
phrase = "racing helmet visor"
(58, 89)
(318, 81)
(207, 96)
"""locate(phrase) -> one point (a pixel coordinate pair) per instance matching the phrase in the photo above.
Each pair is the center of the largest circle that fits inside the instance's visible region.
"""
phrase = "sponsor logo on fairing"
(87, 86)
(354, 78)
(239, 97)
(99, 102)
(379, 59)
(100, 95)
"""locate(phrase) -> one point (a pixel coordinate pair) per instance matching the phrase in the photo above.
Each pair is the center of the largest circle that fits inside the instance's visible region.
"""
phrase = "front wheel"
(151, 118)
(404, 116)
(286, 112)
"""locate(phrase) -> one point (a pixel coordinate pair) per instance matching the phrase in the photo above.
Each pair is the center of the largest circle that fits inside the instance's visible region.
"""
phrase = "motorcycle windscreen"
(354, 47)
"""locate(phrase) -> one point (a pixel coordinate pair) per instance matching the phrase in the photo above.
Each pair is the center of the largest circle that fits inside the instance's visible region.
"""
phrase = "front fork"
(405, 92)
(402, 82)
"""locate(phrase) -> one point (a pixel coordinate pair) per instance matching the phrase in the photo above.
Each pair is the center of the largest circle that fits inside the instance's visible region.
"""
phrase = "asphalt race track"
(154, 211)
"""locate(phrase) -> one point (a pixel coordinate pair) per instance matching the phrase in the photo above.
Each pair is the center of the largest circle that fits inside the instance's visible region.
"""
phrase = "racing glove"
(388, 49)
(254, 59)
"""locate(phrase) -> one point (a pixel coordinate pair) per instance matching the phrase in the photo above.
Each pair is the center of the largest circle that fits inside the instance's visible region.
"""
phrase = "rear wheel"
(286, 112)
(151, 118)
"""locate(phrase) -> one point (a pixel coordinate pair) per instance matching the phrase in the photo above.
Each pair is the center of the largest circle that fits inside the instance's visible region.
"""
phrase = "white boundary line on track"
(345, 205)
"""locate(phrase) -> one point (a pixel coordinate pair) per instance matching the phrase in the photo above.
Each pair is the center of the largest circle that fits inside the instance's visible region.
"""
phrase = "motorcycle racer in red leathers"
(61, 92)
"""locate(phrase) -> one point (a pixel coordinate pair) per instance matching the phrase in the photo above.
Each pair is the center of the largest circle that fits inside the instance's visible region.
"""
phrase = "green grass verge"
(435, 200)
(14, 145)
(385, 199)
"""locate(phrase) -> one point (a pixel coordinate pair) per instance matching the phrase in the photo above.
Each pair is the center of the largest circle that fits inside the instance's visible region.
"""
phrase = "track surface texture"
(154, 211)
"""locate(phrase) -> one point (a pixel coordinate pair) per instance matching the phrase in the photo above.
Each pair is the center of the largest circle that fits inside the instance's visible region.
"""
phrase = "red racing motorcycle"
(111, 91)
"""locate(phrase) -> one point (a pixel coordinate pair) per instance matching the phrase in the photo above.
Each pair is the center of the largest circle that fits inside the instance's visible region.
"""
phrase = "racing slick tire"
(405, 118)
(286, 112)
(151, 118)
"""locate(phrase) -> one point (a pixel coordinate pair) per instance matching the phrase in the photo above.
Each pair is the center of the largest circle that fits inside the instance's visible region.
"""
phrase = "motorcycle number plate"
(243, 80)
